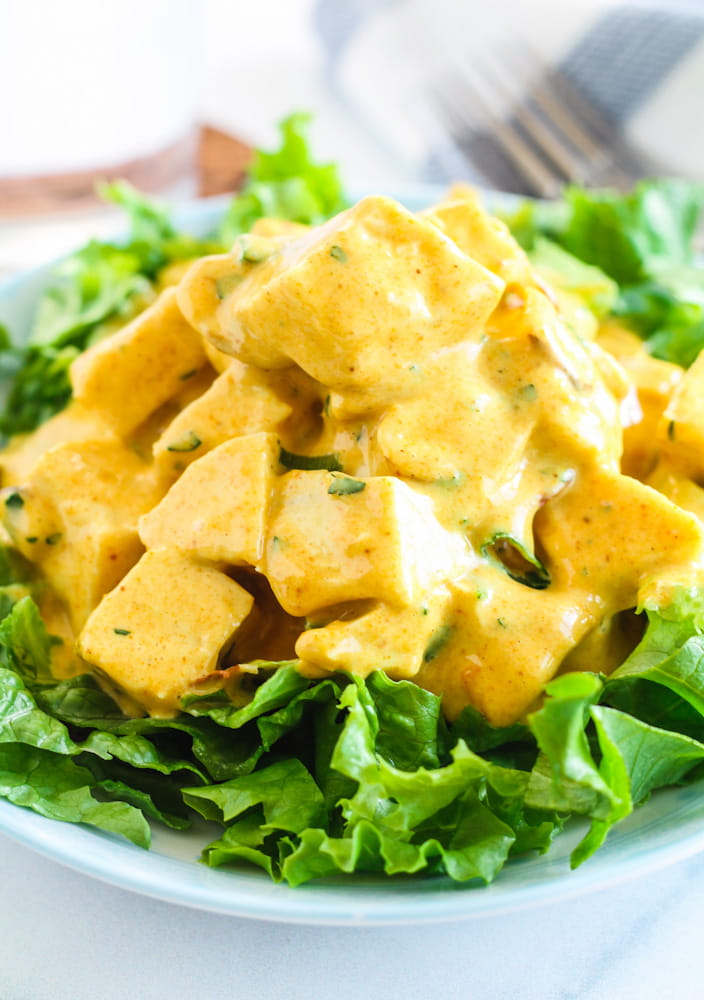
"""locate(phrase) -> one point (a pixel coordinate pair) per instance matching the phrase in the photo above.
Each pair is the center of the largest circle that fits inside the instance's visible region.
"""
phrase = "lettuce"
(644, 241)
(285, 184)
(108, 280)
(341, 775)
(599, 291)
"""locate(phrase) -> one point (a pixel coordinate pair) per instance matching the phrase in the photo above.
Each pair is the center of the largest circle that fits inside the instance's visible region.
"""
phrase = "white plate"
(669, 828)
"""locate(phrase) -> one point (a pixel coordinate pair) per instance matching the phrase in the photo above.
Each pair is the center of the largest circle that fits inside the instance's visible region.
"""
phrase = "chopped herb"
(344, 485)
(122, 631)
(519, 562)
(502, 623)
(189, 442)
(438, 640)
(14, 499)
(54, 539)
(528, 393)
(671, 430)
(226, 283)
(187, 375)
(254, 249)
(339, 254)
(326, 405)
(452, 482)
(32, 539)
(481, 595)
(277, 542)
(310, 463)
(425, 610)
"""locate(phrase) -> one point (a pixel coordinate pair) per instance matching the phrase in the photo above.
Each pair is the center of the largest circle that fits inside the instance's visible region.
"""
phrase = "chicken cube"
(163, 628)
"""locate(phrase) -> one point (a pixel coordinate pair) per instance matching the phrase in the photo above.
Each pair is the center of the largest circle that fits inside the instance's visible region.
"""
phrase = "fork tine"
(590, 131)
(546, 132)
(540, 177)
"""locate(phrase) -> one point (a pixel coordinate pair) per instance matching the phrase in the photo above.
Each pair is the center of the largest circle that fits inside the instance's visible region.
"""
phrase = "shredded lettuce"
(285, 184)
(645, 242)
(341, 775)
(105, 281)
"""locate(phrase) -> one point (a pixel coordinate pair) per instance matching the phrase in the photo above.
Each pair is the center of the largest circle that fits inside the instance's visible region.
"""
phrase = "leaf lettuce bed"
(343, 775)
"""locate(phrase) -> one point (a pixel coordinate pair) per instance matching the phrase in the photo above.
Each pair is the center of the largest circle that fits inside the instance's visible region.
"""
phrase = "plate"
(669, 828)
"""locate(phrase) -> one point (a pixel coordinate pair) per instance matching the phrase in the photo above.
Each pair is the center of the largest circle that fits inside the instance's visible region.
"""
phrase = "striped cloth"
(640, 65)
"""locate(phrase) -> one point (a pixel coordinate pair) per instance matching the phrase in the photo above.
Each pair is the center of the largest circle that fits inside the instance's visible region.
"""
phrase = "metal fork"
(534, 118)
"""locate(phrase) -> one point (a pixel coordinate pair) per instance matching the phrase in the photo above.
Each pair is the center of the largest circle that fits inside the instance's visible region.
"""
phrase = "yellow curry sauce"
(383, 443)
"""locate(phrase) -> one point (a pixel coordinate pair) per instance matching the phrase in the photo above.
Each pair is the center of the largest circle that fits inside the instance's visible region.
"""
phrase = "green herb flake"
(226, 283)
(511, 555)
(187, 375)
(342, 486)
(452, 482)
(438, 641)
(14, 500)
(671, 430)
(528, 393)
(122, 631)
(338, 254)
(502, 623)
(189, 442)
(31, 539)
(254, 249)
(54, 539)
(310, 463)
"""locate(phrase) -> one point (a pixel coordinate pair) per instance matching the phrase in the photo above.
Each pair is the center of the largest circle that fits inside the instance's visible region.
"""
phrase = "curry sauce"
(387, 442)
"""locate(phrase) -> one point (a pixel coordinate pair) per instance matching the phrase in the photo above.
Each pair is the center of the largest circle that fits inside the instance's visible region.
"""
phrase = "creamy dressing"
(411, 453)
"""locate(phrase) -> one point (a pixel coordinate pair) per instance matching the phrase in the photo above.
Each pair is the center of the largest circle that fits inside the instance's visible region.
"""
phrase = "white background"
(66, 937)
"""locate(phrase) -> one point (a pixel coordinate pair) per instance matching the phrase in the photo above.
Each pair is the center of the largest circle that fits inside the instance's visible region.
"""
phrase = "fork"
(534, 119)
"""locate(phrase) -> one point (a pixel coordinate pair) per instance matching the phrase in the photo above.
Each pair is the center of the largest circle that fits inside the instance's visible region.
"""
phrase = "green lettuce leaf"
(59, 788)
(599, 291)
(642, 240)
(207, 747)
(395, 820)
(288, 795)
(671, 652)
(25, 644)
(106, 280)
(630, 236)
(285, 184)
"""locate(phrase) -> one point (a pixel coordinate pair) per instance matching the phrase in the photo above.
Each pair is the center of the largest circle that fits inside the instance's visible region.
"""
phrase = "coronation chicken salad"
(380, 443)
(365, 533)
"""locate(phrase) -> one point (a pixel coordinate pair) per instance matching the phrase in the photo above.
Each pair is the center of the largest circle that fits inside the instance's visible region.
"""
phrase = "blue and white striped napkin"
(640, 65)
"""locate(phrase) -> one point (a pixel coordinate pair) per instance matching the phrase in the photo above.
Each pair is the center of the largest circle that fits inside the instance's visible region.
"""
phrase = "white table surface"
(64, 936)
